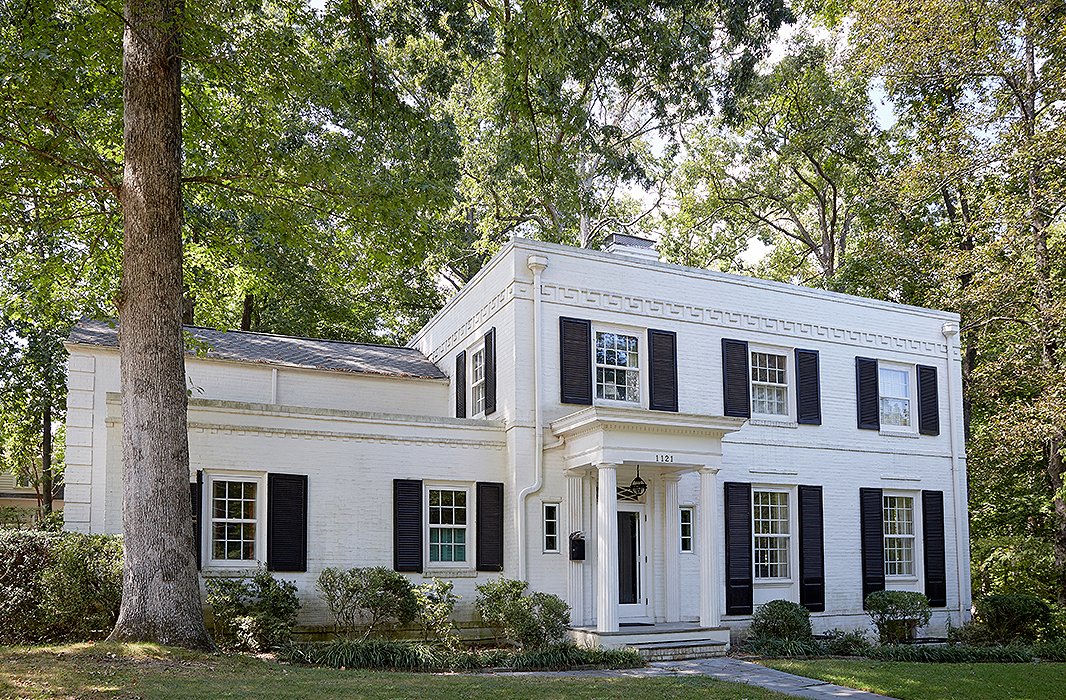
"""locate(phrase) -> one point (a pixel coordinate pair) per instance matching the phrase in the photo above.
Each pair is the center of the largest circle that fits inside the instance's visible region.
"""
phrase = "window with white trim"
(771, 534)
(447, 521)
(617, 367)
(477, 385)
(234, 526)
(899, 535)
(687, 526)
(769, 383)
(551, 527)
(894, 386)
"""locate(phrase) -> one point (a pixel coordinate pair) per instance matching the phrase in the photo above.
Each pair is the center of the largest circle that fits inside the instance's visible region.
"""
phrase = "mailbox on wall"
(577, 546)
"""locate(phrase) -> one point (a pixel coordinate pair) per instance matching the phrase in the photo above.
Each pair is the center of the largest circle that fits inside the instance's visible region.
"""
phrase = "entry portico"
(632, 569)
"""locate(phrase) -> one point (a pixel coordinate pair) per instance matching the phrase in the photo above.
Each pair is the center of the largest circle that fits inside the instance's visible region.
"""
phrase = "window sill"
(899, 434)
(773, 422)
(774, 583)
(225, 571)
(615, 403)
(449, 572)
(900, 579)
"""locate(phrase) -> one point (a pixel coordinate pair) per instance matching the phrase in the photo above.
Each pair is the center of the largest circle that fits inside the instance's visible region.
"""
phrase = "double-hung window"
(617, 367)
(899, 535)
(772, 534)
(551, 527)
(234, 526)
(894, 385)
(769, 384)
(477, 386)
(447, 526)
(687, 523)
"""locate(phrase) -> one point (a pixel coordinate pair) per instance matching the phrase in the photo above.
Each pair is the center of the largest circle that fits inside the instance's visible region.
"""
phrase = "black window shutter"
(936, 575)
(460, 385)
(808, 388)
(407, 525)
(662, 346)
(738, 565)
(489, 526)
(928, 401)
(196, 490)
(811, 549)
(287, 522)
(867, 394)
(736, 386)
(575, 360)
(871, 515)
(490, 372)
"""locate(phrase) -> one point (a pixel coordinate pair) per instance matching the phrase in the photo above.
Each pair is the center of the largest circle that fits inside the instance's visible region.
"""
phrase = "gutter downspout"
(958, 475)
(536, 265)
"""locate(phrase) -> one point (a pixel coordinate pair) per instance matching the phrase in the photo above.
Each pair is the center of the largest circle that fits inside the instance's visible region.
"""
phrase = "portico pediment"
(684, 441)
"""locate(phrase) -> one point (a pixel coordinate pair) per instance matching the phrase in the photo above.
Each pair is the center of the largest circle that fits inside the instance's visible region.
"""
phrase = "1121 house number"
(664, 458)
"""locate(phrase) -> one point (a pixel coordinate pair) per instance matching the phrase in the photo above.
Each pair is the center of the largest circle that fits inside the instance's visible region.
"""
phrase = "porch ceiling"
(604, 434)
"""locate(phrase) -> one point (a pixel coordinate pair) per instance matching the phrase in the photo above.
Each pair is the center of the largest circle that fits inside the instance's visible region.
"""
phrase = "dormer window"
(617, 367)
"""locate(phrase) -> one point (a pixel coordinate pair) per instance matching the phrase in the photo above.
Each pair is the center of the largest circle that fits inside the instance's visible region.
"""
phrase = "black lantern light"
(638, 486)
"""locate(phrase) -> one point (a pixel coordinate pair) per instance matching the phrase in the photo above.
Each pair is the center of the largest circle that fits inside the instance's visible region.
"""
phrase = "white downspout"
(536, 265)
(958, 474)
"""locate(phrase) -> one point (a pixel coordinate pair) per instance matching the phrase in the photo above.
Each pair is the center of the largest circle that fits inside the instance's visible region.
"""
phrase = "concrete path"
(736, 671)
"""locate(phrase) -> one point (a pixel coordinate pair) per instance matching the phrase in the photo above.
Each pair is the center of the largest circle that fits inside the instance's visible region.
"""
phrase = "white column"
(575, 585)
(671, 547)
(607, 549)
(710, 582)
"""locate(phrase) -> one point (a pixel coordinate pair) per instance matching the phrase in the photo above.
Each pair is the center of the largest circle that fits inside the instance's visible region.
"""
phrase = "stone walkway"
(736, 671)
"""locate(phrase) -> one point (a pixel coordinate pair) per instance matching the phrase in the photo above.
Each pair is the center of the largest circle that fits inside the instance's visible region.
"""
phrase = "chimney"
(631, 247)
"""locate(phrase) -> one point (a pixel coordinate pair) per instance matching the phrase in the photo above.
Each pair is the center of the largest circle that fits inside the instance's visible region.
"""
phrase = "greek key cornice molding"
(741, 321)
(479, 318)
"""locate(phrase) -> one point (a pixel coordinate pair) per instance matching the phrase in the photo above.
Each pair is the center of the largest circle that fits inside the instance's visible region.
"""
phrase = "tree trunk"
(160, 588)
(46, 451)
(246, 313)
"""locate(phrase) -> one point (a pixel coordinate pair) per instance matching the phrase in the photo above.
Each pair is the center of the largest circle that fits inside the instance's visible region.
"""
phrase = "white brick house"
(791, 443)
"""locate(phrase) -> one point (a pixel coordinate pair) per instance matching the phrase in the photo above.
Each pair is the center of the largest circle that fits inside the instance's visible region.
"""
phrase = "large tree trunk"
(160, 588)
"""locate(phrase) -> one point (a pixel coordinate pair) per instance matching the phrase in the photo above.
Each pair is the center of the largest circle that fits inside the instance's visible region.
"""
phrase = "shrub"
(532, 621)
(81, 590)
(436, 602)
(254, 614)
(897, 615)
(781, 620)
(1010, 618)
(771, 647)
(923, 653)
(369, 597)
(846, 643)
(24, 556)
(559, 657)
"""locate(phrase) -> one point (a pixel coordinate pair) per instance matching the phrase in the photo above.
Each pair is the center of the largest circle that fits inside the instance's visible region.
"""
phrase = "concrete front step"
(679, 651)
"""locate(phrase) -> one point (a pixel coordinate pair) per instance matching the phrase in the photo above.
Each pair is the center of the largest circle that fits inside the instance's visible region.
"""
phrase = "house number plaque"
(665, 459)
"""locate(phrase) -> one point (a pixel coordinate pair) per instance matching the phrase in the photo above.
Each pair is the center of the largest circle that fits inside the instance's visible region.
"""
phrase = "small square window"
(551, 527)
(687, 535)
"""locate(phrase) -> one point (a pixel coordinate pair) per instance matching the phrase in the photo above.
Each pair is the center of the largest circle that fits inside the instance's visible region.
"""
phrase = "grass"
(145, 671)
(924, 681)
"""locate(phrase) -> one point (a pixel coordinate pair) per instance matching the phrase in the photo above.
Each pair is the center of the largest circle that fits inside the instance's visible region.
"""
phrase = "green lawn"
(910, 681)
(145, 672)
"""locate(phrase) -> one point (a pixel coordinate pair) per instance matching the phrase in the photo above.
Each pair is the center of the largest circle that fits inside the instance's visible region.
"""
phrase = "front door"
(632, 563)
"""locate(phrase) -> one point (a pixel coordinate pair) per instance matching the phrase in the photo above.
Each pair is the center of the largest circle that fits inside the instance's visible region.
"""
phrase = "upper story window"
(477, 385)
(772, 534)
(234, 531)
(447, 523)
(899, 535)
(617, 367)
(769, 383)
(894, 386)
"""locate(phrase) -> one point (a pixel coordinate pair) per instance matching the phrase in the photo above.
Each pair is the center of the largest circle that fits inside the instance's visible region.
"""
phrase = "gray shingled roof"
(286, 350)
